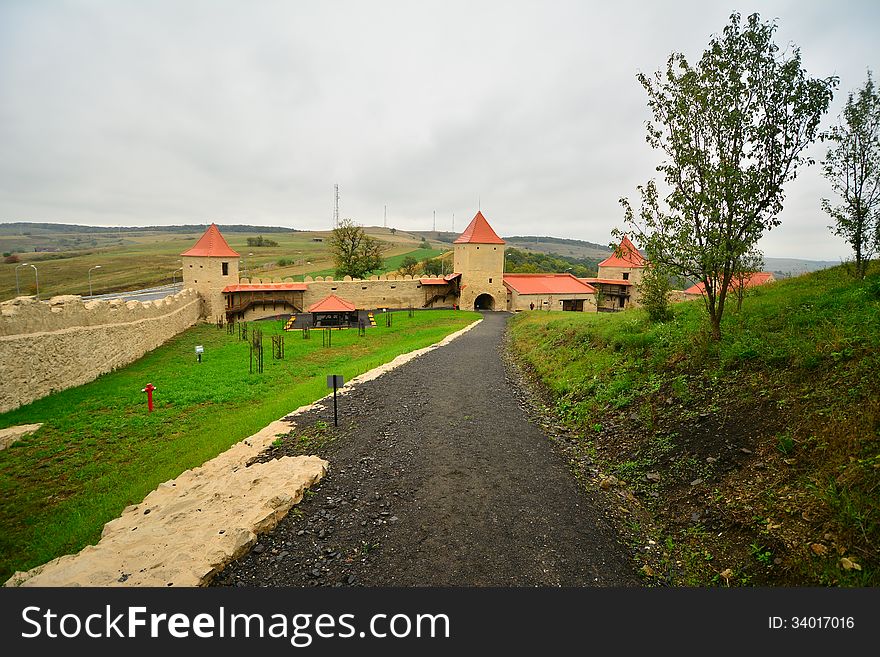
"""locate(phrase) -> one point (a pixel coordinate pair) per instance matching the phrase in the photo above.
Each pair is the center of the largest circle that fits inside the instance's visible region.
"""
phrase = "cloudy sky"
(142, 113)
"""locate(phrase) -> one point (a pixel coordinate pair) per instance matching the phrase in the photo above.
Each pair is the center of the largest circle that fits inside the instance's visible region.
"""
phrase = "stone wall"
(62, 343)
(390, 291)
(519, 302)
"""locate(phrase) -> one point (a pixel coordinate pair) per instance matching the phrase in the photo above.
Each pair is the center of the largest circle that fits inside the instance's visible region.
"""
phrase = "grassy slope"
(100, 450)
(779, 425)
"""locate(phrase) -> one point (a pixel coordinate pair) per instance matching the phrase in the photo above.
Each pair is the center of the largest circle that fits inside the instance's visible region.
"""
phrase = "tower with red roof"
(478, 255)
(208, 267)
(619, 276)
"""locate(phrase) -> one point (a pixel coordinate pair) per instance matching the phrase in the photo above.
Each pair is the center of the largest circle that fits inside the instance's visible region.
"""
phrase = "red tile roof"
(547, 284)
(332, 304)
(753, 280)
(479, 232)
(261, 287)
(629, 256)
(211, 245)
(607, 281)
(433, 281)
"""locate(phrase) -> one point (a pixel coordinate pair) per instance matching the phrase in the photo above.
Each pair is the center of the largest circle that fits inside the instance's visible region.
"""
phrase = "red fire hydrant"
(149, 390)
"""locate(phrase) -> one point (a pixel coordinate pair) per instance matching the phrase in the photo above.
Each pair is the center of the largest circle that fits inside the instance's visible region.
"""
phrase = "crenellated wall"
(388, 291)
(46, 346)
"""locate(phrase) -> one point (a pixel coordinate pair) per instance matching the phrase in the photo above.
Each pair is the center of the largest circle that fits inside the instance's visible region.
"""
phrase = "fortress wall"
(62, 343)
(391, 291)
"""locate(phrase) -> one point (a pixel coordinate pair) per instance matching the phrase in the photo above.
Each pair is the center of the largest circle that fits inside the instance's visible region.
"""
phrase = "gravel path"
(439, 478)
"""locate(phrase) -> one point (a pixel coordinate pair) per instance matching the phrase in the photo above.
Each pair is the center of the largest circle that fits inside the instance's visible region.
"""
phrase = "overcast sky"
(146, 113)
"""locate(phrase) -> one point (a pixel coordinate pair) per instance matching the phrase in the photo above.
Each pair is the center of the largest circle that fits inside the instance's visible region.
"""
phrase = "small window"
(363, 287)
(190, 266)
(626, 275)
(333, 288)
(201, 266)
(195, 281)
(494, 248)
(478, 248)
(393, 287)
(225, 266)
(490, 280)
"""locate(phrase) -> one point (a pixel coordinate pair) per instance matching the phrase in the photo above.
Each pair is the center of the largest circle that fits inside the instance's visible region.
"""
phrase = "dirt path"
(437, 478)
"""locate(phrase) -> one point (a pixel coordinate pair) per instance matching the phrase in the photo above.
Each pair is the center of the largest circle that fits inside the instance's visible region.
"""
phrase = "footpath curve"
(437, 478)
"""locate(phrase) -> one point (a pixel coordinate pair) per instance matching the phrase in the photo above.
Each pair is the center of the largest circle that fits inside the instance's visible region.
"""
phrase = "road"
(439, 477)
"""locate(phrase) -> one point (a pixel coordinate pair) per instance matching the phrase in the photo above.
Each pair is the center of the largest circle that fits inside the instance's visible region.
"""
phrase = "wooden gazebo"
(332, 311)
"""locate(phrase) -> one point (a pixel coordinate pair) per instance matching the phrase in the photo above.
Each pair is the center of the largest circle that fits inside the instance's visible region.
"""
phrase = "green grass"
(808, 348)
(100, 450)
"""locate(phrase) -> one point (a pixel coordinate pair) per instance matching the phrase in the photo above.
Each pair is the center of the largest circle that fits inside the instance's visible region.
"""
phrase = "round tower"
(208, 267)
(478, 255)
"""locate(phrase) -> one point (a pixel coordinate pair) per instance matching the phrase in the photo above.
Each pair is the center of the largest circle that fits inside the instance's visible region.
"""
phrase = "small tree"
(409, 266)
(432, 266)
(355, 253)
(852, 165)
(654, 290)
(748, 265)
(733, 129)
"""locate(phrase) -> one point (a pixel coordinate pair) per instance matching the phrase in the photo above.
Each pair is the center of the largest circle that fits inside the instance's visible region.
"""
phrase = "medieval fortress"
(65, 342)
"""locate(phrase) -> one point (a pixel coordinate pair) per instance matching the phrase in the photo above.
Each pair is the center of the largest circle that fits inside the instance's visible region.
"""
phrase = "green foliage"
(806, 349)
(654, 290)
(518, 261)
(259, 240)
(409, 266)
(852, 165)
(99, 449)
(432, 267)
(734, 129)
(355, 253)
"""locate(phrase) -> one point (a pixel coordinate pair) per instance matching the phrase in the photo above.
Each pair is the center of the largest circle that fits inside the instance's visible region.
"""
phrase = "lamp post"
(173, 274)
(90, 277)
(37, 281)
(17, 289)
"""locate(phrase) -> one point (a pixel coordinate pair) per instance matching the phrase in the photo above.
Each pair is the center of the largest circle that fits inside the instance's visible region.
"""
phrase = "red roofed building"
(478, 255)
(263, 299)
(619, 275)
(749, 280)
(549, 292)
(208, 267)
(332, 311)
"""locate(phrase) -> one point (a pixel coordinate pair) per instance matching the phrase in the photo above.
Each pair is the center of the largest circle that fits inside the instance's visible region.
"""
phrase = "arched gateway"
(484, 302)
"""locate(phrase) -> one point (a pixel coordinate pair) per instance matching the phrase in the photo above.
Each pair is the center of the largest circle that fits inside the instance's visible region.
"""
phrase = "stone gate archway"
(484, 302)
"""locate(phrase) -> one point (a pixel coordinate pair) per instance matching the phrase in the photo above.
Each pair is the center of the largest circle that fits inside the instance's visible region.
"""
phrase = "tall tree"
(733, 130)
(355, 253)
(852, 165)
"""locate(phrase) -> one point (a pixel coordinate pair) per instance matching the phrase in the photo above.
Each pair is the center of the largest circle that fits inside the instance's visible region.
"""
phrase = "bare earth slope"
(437, 478)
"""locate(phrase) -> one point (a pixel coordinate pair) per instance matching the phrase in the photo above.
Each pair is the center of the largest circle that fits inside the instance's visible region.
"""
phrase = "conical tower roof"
(629, 256)
(479, 232)
(211, 245)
